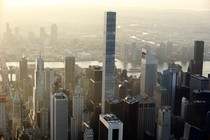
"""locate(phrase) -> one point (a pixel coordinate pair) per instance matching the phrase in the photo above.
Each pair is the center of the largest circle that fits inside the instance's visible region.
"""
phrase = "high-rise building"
(95, 83)
(184, 108)
(69, 71)
(162, 96)
(124, 52)
(196, 65)
(3, 120)
(39, 86)
(164, 124)
(146, 117)
(49, 82)
(76, 119)
(23, 69)
(110, 127)
(130, 118)
(148, 73)
(54, 34)
(59, 116)
(181, 91)
(27, 89)
(198, 82)
(88, 132)
(193, 133)
(198, 56)
(108, 78)
(16, 112)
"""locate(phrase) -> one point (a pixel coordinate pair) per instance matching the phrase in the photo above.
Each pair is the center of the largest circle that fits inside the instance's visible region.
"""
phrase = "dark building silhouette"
(196, 65)
(193, 133)
(95, 83)
(198, 82)
(181, 91)
(130, 118)
(196, 114)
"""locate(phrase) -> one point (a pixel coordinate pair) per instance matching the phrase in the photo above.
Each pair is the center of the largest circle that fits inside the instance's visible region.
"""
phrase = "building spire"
(40, 54)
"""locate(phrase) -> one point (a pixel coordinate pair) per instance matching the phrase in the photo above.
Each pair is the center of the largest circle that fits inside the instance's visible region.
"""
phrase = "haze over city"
(104, 69)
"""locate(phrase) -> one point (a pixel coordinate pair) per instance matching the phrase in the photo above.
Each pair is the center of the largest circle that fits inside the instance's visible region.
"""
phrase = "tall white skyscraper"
(148, 73)
(78, 108)
(108, 78)
(39, 85)
(164, 124)
(59, 116)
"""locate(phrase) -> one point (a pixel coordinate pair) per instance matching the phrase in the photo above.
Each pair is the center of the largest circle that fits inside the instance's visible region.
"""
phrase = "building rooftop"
(60, 95)
(111, 118)
(200, 77)
(130, 100)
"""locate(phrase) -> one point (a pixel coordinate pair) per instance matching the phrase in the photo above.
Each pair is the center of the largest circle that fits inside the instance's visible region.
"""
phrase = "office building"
(108, 78)
(54, 34)
(169, 49)
(181, 91)
(130, 118)
(76, 119)
(196, 65)
(27, 88)
(39, 86)
(16, 116)
(193, 133)
(95, 83)
(162, 96)
(3, 119)
(23, 69)
(196, 113)
(49, 83)
(198, 82)
(164, 124)
(148, 73)
(59, 116)
(110, 127)
(198, 56)
(146, 117)
(69, 72)
(124, 52)
(88, 132)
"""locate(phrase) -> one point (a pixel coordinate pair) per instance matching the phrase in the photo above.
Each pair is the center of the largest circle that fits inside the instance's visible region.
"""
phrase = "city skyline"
(85, 93)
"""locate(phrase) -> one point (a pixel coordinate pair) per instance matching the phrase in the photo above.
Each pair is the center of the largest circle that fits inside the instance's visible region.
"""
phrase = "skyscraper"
(69, 72)
(148, 73)
(78, 107)
(3, 120)
(108, 80)
(23, 69)
(59, 116)
(111, 128)
(196, 65)
(198, 56)
(164, 124)
(39, 85)
(54, 34)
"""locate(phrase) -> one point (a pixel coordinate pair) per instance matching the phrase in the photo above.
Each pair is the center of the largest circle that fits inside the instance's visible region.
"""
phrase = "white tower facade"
(148, 73)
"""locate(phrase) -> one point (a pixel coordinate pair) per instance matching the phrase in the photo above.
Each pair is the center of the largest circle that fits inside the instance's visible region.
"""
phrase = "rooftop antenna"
(40, 55)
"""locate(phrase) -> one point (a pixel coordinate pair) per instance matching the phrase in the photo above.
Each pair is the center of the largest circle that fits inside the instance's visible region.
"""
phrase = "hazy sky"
(144, 3)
